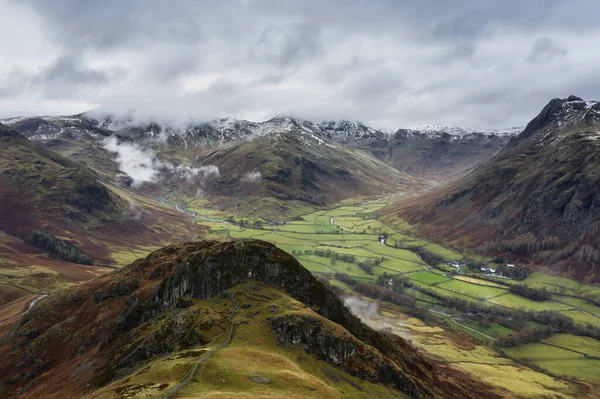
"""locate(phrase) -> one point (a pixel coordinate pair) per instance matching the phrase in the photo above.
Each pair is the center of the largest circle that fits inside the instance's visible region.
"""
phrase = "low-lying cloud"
(143, 166)
(362, 309)
(139, 164)
(252, 177)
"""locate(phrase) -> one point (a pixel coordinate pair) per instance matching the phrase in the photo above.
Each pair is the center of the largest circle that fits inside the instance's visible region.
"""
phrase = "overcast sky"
(388, 63)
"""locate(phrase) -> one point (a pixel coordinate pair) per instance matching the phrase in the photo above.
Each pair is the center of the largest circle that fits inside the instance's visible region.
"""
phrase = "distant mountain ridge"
(431, 151)
(538, 199)
(227, 130)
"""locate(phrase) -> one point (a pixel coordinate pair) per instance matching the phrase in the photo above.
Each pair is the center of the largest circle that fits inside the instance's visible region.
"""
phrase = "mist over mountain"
(266, 199)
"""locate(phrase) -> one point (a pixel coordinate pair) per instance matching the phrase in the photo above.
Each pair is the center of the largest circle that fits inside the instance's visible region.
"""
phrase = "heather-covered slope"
(38, 186)
(538, 199)
(236, 316)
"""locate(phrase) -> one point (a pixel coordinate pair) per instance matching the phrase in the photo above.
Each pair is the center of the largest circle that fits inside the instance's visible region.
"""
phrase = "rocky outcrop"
(343, 350)
(112, 326)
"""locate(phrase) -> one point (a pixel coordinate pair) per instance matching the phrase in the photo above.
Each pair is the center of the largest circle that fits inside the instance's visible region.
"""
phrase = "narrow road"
(189, 376)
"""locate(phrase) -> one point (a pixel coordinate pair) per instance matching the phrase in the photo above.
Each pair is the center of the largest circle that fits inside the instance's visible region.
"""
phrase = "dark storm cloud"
(389, 63)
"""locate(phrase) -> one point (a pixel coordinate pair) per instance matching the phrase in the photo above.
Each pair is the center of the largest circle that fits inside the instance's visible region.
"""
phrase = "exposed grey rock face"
(307, 333)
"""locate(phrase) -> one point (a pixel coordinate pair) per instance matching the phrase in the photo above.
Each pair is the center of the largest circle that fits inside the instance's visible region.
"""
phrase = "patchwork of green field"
(303, 227)
(250, 234)
(445, 292)
(589, 346)
(478, 281)
(315, 267)
(427, 277)
(358, 225)
(510, 377)
(582, 317)
(356, 251)
(591, 292)
(326, 266)
(492, 329)
(579, 303)
(398, 266)
(518, 302)
(396, 253)
(477, 291)
(443, 252)
(422, 297)
(558, 361)
(553, 283)
(315, 231)
(344, 211)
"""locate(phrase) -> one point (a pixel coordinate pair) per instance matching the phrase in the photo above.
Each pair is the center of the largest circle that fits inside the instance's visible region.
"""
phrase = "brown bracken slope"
(537, 200)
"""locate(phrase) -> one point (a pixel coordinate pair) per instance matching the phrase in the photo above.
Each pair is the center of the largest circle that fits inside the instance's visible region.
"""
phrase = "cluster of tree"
(346, 279)
(534, 293)
(326, 254)
(58, 248)
(384, 294)
(245, 223)
(298, 219)
(367, 265)
(474, 265)
(516, 273)
(427, 256)
(525, 244)
(526, 335)
(316, 199)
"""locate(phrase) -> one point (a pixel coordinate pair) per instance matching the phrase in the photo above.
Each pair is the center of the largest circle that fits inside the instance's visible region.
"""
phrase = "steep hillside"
(295, 164)
(438, 152)
(538, 199)
(39, 186)
(56, 213)
(212, 319)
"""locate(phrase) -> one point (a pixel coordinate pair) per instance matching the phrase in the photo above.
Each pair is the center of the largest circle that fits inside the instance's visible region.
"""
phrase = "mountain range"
(81, 196)
(537, 199)
(290, 159)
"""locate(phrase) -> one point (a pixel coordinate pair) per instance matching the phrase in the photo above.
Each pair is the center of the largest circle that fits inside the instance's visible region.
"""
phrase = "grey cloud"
(375, 86)
(389, 63)
(68, 69)
(285, 45)
(544, 50)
